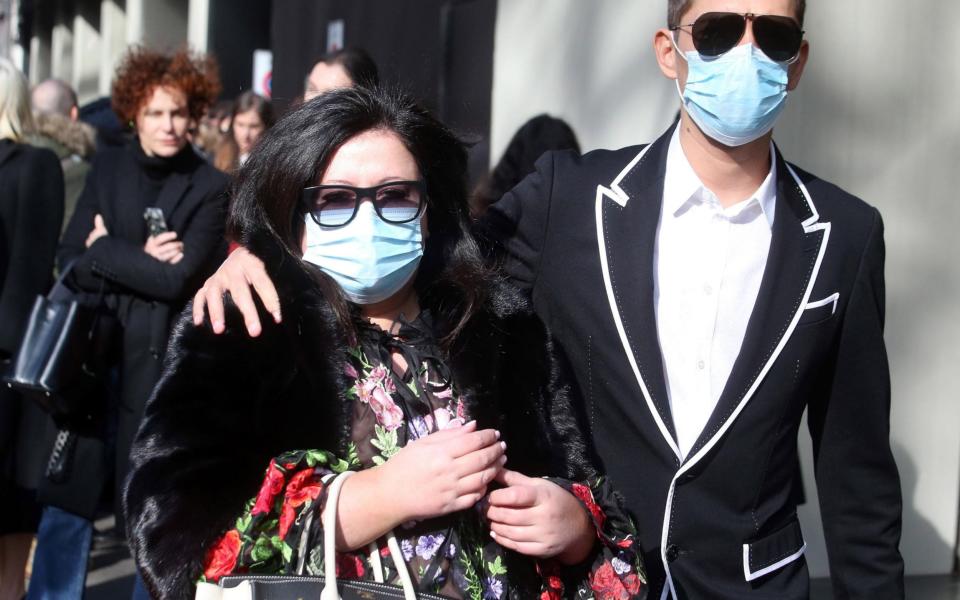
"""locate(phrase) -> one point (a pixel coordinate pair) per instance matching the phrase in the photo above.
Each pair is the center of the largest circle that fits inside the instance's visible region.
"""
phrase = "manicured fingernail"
(497, 433)
(493, 534)
(276, 316)
(503, 459)
(218, 326)
(254, 329)
(503, 445)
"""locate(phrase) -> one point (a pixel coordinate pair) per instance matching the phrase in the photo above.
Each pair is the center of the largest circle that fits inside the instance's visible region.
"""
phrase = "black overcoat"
(31, 211)
(145, 293)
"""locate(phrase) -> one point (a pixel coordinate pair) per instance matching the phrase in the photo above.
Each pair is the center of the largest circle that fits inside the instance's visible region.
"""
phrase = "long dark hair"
(293, 154)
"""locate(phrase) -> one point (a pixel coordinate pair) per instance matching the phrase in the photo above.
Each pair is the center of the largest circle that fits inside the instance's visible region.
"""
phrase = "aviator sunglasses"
(715, 33)
(395, 202)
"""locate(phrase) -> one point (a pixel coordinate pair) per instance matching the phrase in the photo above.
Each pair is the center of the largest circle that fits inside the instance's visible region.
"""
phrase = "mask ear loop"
(673, 40)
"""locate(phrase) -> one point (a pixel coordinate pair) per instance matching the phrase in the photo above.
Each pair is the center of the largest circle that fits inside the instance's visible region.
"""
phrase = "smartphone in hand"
(156, 224)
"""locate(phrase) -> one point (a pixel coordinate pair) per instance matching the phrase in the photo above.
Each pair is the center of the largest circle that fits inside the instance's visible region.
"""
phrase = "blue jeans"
(60, 560)
(139, 589)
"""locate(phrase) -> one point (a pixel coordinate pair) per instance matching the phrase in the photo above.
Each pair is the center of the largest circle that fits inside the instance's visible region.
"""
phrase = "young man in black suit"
(706, 293)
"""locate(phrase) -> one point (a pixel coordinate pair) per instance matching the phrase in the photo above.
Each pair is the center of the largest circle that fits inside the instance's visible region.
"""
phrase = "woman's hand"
(449, 471)
(165, 247)
(236, 275)
(99, 230)
(539, 518)
(444, 472)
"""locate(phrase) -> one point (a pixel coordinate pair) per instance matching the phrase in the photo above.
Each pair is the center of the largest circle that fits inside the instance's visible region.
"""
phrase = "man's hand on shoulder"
(241, 271)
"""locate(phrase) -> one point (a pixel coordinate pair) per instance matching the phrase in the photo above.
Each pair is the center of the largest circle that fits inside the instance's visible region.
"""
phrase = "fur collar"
(65, 137)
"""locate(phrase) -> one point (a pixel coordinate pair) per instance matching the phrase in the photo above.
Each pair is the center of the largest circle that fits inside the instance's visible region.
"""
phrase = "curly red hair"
(141, 71)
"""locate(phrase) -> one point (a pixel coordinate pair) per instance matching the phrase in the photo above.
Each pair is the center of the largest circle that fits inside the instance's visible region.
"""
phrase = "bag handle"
(60, 290)
(329, 517)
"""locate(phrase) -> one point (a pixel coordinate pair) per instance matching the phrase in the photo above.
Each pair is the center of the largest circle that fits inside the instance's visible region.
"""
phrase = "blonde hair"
(15, 118)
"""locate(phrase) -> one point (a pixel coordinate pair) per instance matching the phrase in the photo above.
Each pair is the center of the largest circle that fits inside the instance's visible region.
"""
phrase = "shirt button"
(701, 365)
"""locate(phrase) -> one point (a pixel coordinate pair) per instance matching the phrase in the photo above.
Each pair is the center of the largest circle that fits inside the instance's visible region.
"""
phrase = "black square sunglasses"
(395, 202)
(715, 33)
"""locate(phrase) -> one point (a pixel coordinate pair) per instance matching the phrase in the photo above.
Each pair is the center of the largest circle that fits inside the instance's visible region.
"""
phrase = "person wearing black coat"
(146, 292)
(140, 272)
(31, 210)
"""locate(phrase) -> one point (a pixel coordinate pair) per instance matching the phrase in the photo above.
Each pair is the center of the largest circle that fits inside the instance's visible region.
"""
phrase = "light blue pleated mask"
(370, 258)
(736, 97)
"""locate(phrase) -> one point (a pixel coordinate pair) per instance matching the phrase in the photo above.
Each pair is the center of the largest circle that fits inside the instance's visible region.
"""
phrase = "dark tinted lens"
(399, 203)
(333, 207)
(716, 33)
(779, 37)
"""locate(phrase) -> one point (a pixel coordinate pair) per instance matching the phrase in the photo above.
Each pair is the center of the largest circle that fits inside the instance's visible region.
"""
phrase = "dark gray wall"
(439, 50)
(236, 29)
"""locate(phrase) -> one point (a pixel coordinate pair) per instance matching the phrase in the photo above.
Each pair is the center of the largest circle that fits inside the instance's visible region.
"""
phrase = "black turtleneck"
(154, 170)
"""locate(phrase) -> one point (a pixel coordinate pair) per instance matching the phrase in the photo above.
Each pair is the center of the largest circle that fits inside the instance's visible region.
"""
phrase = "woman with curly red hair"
(146, 230)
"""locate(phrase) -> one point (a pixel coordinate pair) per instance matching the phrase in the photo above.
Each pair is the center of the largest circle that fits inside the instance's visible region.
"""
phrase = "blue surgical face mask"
(370, 258)
(736, 97)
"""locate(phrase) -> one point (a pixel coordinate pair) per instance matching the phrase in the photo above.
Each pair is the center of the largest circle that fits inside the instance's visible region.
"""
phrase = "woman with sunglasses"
(401, 355)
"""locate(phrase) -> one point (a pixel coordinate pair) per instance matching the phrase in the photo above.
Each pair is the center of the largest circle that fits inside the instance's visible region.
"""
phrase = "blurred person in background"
(147, 227)
(212, 129)
(251, 115)
(340, 69)
(58, 128)
(540, 134)
(111, 133)
(31, 210)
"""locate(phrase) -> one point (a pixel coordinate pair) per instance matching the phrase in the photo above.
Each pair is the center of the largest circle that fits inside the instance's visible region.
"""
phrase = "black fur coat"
(227, 404)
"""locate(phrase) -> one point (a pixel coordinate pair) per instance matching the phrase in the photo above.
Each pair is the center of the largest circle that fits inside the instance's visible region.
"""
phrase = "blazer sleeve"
(198, 454)
(857, 479)
(515, 227)
(39, 217)
(123, 262)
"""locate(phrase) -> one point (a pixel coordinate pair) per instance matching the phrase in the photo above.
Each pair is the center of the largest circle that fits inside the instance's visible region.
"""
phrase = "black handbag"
(292, 587)
(75, 474)
(56, 363)
(326, 587)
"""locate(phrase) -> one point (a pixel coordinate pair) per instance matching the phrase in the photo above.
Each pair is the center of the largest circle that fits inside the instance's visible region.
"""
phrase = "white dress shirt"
(708, 264)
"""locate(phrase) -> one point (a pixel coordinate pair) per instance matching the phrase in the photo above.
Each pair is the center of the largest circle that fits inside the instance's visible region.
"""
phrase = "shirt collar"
(682, 186)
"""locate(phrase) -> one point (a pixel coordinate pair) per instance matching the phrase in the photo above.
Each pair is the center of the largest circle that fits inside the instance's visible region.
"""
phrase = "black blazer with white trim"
(579, 234)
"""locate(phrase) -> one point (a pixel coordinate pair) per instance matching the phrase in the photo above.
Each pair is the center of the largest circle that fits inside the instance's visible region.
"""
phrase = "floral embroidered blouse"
(452, 555)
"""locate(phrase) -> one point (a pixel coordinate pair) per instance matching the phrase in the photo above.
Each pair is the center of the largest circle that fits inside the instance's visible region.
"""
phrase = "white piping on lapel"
(810, 225)
(615, 193)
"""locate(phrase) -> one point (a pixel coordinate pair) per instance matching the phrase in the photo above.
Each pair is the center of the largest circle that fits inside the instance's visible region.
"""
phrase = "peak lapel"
(796, 248)
(628, 214)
